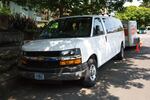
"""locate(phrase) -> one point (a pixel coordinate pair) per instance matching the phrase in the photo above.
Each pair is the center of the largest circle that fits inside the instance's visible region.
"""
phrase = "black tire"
(120, 55)
(91, 74)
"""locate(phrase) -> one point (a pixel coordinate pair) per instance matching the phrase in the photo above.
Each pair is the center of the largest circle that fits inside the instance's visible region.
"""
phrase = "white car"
(72, 48)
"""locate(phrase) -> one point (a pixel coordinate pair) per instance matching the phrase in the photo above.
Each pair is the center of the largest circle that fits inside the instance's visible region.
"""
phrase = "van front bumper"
(67, 73)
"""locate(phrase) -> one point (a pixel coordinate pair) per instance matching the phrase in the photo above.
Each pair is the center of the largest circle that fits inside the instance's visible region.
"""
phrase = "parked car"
(72, 48)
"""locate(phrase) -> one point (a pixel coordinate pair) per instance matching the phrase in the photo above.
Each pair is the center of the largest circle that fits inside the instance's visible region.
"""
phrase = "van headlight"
(70, 57)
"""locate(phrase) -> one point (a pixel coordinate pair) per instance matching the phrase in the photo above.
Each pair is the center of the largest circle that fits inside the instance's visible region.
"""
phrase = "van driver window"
(97, 23)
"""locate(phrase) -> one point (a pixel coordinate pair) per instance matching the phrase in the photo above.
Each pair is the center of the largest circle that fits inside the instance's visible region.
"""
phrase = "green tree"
(146, 3)
(5, 3)
(61, 7)
(117, 6)
(140, 14)
(5, 11)
(71, 7)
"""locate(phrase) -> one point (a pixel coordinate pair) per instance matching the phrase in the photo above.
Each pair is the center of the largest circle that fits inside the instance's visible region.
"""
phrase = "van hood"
(51, 44)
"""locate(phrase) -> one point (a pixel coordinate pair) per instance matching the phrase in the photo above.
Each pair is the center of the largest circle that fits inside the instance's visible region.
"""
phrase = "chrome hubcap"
(92, 72)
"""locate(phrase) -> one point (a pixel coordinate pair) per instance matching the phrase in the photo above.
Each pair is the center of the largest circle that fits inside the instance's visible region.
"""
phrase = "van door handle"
(106, 38)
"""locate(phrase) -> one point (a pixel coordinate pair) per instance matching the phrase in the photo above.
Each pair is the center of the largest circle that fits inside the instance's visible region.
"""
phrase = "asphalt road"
(117, 80)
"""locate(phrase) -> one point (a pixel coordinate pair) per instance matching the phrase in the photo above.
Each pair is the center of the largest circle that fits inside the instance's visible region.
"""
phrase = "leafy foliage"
(21, 23)
(140, 14)
(146, 3)
(17, 23)
(117, 6)
(63, 7)
(5, 11)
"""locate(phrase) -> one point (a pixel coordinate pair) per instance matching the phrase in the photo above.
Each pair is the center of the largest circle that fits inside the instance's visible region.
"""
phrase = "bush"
(140, 14)
(17, 23)
(22, 24)
(5, 11)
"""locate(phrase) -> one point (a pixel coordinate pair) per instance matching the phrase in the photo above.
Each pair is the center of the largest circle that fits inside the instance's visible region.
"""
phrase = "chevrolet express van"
(72, 48)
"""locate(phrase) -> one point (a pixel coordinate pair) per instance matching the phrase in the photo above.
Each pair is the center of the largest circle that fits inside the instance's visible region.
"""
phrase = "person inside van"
(83, 29)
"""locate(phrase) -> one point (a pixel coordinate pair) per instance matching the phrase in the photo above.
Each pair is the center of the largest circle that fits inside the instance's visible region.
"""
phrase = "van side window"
(112, 25)
(108, 24)
(98, 27)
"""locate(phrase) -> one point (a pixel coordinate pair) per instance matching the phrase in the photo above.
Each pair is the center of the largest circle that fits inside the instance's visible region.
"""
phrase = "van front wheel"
(91, 73)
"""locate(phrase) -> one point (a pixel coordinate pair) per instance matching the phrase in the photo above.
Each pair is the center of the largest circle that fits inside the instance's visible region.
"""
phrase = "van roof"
(103, 16)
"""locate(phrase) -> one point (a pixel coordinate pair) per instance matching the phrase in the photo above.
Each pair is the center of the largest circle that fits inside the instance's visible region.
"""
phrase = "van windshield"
(68, 28)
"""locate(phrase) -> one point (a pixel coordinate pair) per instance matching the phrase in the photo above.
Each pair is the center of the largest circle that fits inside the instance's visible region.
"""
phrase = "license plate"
(39, 76)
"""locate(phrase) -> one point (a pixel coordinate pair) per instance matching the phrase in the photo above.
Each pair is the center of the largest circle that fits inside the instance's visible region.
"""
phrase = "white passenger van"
(72, 48)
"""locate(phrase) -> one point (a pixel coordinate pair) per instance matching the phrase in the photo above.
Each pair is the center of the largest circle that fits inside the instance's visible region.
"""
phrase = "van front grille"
(42, 53)
(44, 59)
(42, 64)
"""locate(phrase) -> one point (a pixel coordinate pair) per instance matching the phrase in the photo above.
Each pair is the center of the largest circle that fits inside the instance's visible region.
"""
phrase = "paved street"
(117, 80)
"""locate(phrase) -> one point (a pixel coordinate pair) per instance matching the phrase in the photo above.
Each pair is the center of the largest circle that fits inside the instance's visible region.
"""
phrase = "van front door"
(100, 40)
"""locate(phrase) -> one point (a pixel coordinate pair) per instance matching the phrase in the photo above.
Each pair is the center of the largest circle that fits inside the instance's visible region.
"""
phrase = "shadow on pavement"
(143, 54)
(114, 73)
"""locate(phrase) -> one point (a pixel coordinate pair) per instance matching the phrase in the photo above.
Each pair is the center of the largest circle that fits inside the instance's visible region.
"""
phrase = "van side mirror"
(98, 31)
